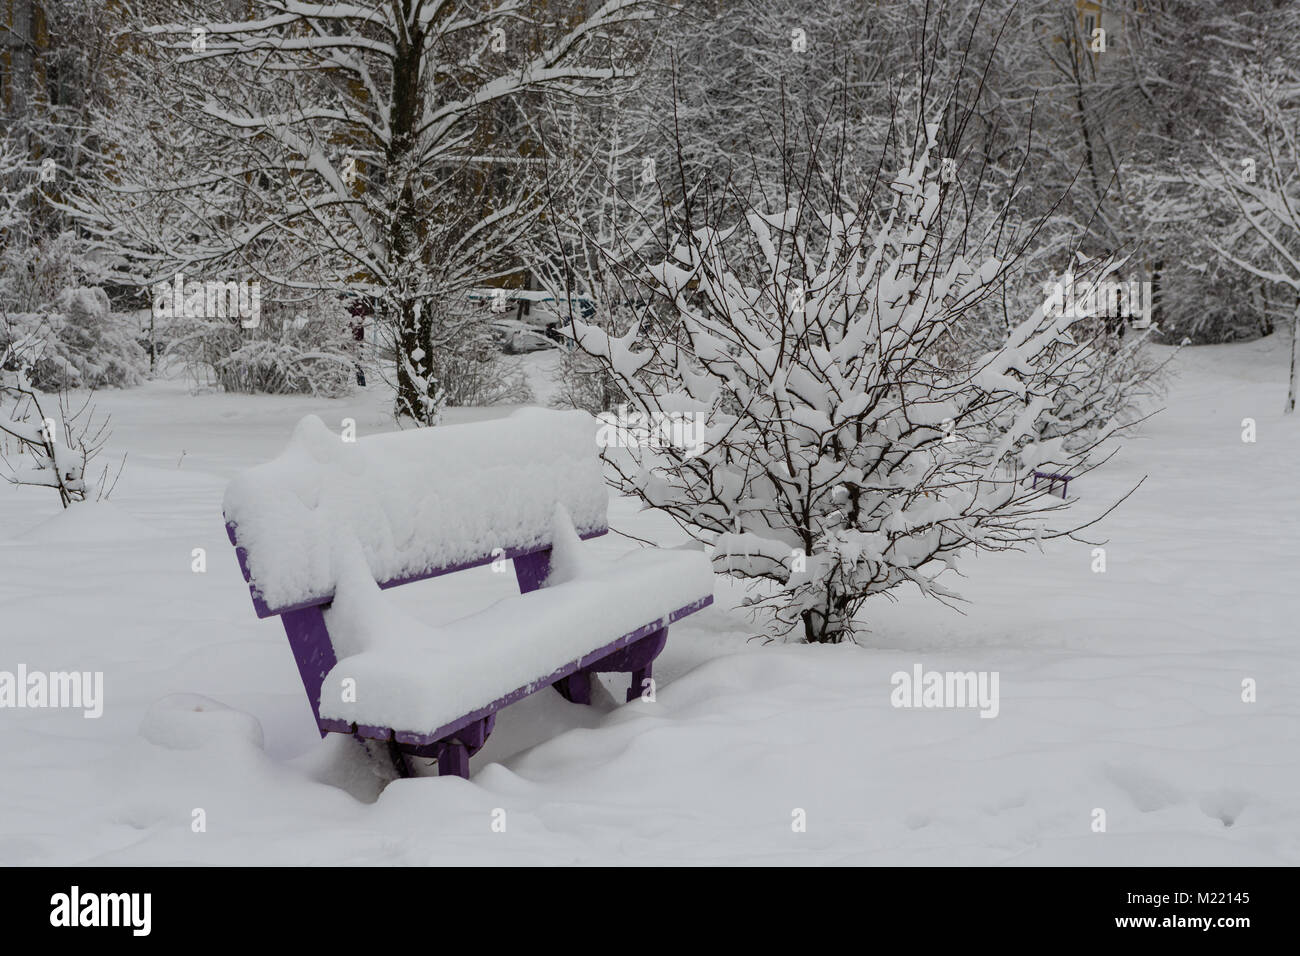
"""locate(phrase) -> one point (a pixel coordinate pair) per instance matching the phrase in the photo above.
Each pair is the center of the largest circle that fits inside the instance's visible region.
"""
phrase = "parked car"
(516, 338)
(540, 312)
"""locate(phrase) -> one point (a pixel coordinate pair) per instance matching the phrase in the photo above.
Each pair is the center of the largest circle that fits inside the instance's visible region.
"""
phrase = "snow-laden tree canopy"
(846, 449)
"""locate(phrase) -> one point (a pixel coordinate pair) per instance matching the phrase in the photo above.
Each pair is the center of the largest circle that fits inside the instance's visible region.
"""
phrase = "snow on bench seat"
(415, 501)
(411, 675)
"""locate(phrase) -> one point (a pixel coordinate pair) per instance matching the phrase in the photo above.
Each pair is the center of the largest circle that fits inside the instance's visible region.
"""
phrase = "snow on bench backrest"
(414, 501)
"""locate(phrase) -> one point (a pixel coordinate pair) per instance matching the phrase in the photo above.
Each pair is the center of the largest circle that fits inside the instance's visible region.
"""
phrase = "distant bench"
(323, 528)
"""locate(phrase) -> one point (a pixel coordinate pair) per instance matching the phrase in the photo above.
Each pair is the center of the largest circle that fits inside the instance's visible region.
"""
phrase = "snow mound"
(191, 721)
(413, 501)
(89, 522)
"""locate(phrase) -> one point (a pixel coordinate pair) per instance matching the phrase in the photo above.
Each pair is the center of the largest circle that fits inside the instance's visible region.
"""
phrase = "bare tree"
(1259, 182)
(366, 148)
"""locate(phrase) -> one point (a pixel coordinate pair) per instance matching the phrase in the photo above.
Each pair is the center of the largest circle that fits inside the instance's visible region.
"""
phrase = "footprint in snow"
(1147, 792)
(1224, 805)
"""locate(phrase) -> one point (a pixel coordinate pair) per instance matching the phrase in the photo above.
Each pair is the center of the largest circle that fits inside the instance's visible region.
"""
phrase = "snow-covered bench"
(323, 528)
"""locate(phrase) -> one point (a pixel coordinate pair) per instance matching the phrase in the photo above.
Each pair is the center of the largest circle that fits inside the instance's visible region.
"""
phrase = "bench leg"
(637, 658)
(476, 734)
(400, 763)
(385, 755)
(576, 688)
(641, 660)
(453, 759)
(639, 677)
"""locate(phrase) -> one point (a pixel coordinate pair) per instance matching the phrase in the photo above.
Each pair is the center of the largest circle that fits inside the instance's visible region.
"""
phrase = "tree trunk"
(828, 624)
(416, 395)
(1295, 359)
(22, 77)
(1157, 313)
(412, 317)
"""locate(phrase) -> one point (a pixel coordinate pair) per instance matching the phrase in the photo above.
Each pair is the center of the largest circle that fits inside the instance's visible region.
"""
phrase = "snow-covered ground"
(1120, 691)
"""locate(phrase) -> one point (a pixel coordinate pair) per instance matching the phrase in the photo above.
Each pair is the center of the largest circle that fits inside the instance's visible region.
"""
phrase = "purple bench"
(1052, 478)
(435, 692)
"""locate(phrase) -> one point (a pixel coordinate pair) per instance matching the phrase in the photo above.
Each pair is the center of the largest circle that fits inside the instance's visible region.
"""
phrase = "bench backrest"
(419, 503)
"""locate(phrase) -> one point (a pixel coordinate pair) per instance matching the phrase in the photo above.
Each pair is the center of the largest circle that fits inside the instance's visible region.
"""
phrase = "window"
(1089, 24)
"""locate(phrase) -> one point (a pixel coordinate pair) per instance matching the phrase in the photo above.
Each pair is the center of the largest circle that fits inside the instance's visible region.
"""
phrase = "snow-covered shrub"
(471, 371)
(584, 382)
(1218, 302)
(845, 452)
(1109, 375)
(289, 351)
(17, 188)
(50, 460)
(34, 274)
(89, 346)
(1105, 386)
(48, 449)
(465, 365)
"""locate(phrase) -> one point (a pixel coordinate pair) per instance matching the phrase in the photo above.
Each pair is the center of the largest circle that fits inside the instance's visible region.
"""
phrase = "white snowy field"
(1120, 691)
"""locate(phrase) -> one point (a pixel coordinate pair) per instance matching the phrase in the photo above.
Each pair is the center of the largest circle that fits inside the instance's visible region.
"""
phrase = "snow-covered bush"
(17, 186)
(845, 453)
(1105, 386)
(582, 381)
(35, 273)
(1218, 302)
(464, 362)
(51, 460)
(1109, 374)
(289, 351)
(48, 449)
(88, 346)
(475, 374)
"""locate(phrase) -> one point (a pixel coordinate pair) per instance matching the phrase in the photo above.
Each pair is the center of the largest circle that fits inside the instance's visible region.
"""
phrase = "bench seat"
(423, 678)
